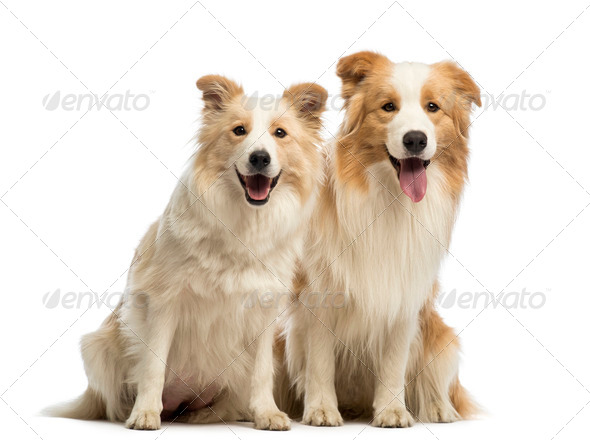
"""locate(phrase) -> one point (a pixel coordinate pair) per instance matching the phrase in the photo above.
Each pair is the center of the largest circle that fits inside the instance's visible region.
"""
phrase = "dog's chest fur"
(393, 249)
(215, 272)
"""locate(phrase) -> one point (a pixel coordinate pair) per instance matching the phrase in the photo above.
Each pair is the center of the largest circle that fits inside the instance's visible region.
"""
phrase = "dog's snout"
(259, 160)
(415, 141)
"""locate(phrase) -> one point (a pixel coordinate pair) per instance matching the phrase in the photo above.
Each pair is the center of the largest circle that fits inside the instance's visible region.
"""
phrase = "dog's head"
(408, 113)
(260, 149)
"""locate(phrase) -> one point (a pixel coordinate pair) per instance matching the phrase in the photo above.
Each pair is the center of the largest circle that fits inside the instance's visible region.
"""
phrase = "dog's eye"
(389, 107)
(280, 133)
(432, 107)
(240, 130)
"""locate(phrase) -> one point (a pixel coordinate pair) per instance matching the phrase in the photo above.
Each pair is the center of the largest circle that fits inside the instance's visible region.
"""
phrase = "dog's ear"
(352, 69)
(462, 94)
(308, 99)
(218, 91)
(463, 84)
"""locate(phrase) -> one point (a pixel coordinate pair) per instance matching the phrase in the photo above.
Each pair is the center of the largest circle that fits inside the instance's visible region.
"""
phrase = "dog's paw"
(322, 416)
(272, 421)
(396, 417)
(444, 413)
(144, 420)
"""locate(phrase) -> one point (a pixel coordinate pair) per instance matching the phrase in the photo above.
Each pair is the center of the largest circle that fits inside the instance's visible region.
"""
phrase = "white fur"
(255, 141)
(408, 79)
(385, 290)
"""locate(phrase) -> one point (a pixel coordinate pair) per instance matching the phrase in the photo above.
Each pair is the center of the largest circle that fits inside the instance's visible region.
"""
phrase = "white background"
(78, 189)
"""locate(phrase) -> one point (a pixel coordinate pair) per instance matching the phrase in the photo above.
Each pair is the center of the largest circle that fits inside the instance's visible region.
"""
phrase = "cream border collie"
(182, 342)
(394, 180)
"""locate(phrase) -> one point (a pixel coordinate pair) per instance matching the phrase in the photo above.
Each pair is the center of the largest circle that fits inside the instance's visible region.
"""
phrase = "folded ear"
(462, 83)
(353, 68)
(218, 91)
(308, 99)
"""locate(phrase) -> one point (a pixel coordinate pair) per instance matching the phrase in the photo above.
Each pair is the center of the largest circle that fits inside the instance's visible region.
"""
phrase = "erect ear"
(308, 99)
(462, 83)
(218, 91)
(353, 68)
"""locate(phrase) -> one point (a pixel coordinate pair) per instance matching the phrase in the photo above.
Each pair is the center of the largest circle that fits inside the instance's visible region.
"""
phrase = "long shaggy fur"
(386, 353)
(193, 336)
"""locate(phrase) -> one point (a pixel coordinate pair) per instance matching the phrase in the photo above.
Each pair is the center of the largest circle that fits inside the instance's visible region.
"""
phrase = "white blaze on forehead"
(408, 80)
(263, 112)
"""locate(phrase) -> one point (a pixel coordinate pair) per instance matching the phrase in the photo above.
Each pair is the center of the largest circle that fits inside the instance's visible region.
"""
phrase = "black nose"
(415, 141)
(259, 160)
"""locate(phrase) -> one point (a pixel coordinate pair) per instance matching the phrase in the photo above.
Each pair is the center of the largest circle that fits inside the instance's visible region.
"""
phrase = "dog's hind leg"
(434, 393)
(223, 410)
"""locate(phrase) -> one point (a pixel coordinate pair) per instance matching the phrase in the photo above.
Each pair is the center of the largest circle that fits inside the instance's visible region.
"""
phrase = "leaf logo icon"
(51, 103)
(51, 300)
(448, 300)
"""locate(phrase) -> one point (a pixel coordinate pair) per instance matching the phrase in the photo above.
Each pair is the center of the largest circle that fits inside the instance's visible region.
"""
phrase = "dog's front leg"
(262, 403)
(321, 403)
(151, 371)
(389, 400)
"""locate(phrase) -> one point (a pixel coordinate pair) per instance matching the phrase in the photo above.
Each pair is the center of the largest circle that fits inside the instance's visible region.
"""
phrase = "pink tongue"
(258, 186)
(412, 178)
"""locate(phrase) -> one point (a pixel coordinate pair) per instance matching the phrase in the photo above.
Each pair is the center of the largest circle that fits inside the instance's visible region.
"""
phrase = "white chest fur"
(393, 247)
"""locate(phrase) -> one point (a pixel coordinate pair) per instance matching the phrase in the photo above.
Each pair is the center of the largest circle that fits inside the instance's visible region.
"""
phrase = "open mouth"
(258, 187)
(411, 173)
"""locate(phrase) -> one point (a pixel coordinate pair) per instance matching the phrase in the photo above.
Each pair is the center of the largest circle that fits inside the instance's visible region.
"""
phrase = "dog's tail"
(462, 401)
(107, 396)
(89, 406)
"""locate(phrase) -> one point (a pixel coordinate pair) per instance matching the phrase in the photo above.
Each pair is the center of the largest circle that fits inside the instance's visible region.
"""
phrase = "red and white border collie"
(379, 232)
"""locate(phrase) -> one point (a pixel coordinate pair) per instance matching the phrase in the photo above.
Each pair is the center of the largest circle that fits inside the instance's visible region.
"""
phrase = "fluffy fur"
(386, 352)
(187, 339)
